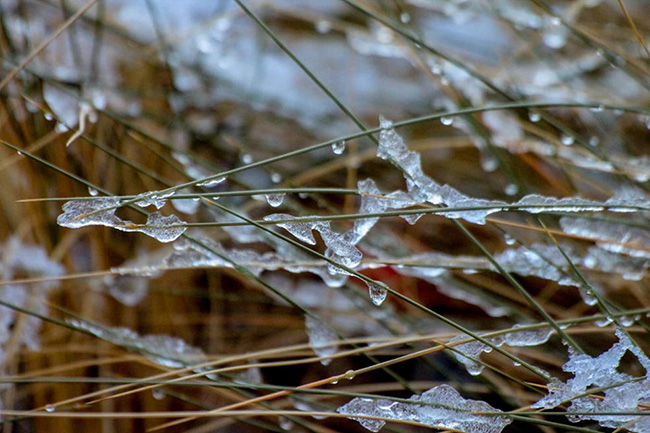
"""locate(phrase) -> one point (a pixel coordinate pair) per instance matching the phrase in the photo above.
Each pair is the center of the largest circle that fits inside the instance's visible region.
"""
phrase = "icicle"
(300, 230)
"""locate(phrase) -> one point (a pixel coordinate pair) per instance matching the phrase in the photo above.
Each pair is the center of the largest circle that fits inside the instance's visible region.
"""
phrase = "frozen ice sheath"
(439, 407)
(101, 212)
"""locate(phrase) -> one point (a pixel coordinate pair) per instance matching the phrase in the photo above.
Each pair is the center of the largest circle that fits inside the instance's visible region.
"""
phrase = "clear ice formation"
(514, 338)
(623, 393)
(440, 407)
(167, 351)
(322, 340)
(159, 227)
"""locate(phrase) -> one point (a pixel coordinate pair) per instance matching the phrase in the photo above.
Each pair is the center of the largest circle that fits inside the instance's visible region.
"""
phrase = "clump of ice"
(101, 211)
(622, 393)
(440, 407)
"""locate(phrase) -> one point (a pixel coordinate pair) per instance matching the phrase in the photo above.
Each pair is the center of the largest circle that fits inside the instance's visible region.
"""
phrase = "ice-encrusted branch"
(423, 189)
(440, 407)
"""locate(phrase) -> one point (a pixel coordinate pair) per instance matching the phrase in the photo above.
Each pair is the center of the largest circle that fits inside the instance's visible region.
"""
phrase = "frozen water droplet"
(567, 140)
(446, 120)
(158, 394)
(594, 141)
(509, 240)
(338, 147)
(246, 158)
(377, 293)
(275, 200)
(350, 374)
(534, 116)
(92, 191)
(48, 116)
(405, 18)
(49, 408)
(212, 182)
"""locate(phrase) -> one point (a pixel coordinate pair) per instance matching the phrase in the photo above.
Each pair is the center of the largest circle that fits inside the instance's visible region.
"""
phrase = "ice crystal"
(440, 407)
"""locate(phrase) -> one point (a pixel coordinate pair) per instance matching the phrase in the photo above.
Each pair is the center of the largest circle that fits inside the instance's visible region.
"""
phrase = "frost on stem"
(322, 340)
(440, 407)
(622, 393)
(168, 351)
(81, 213)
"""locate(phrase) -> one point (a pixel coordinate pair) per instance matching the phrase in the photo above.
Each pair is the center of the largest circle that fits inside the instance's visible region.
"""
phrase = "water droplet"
(285, 423)
(556, 21)
(601, 323)
(158, 394)
(323, 26)
(212, 182)
(338, 147)
(567, 140)
(534, 116)
(60, 127)
(444, 81)
(594, 141)
(275, 177)
(516, 364)
(511, 189)
(446, 121)
(335, 382)
(489, 163)
(246, 158)
(377, 293)
(405, 18)
(92, 191)
(598, 108)
(49, 408)
(275, 200)
(350, 374)
(509, 240)
(48, 116)
(626, 320)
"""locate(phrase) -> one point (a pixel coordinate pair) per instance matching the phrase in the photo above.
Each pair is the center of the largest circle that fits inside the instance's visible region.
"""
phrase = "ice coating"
(300, 230)
(533, 337)
(421, 188)
(167, 351)
(440, 407)
(622, 393)
(322, 340)
(155, 198)
(616, 238)
(81, 213)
